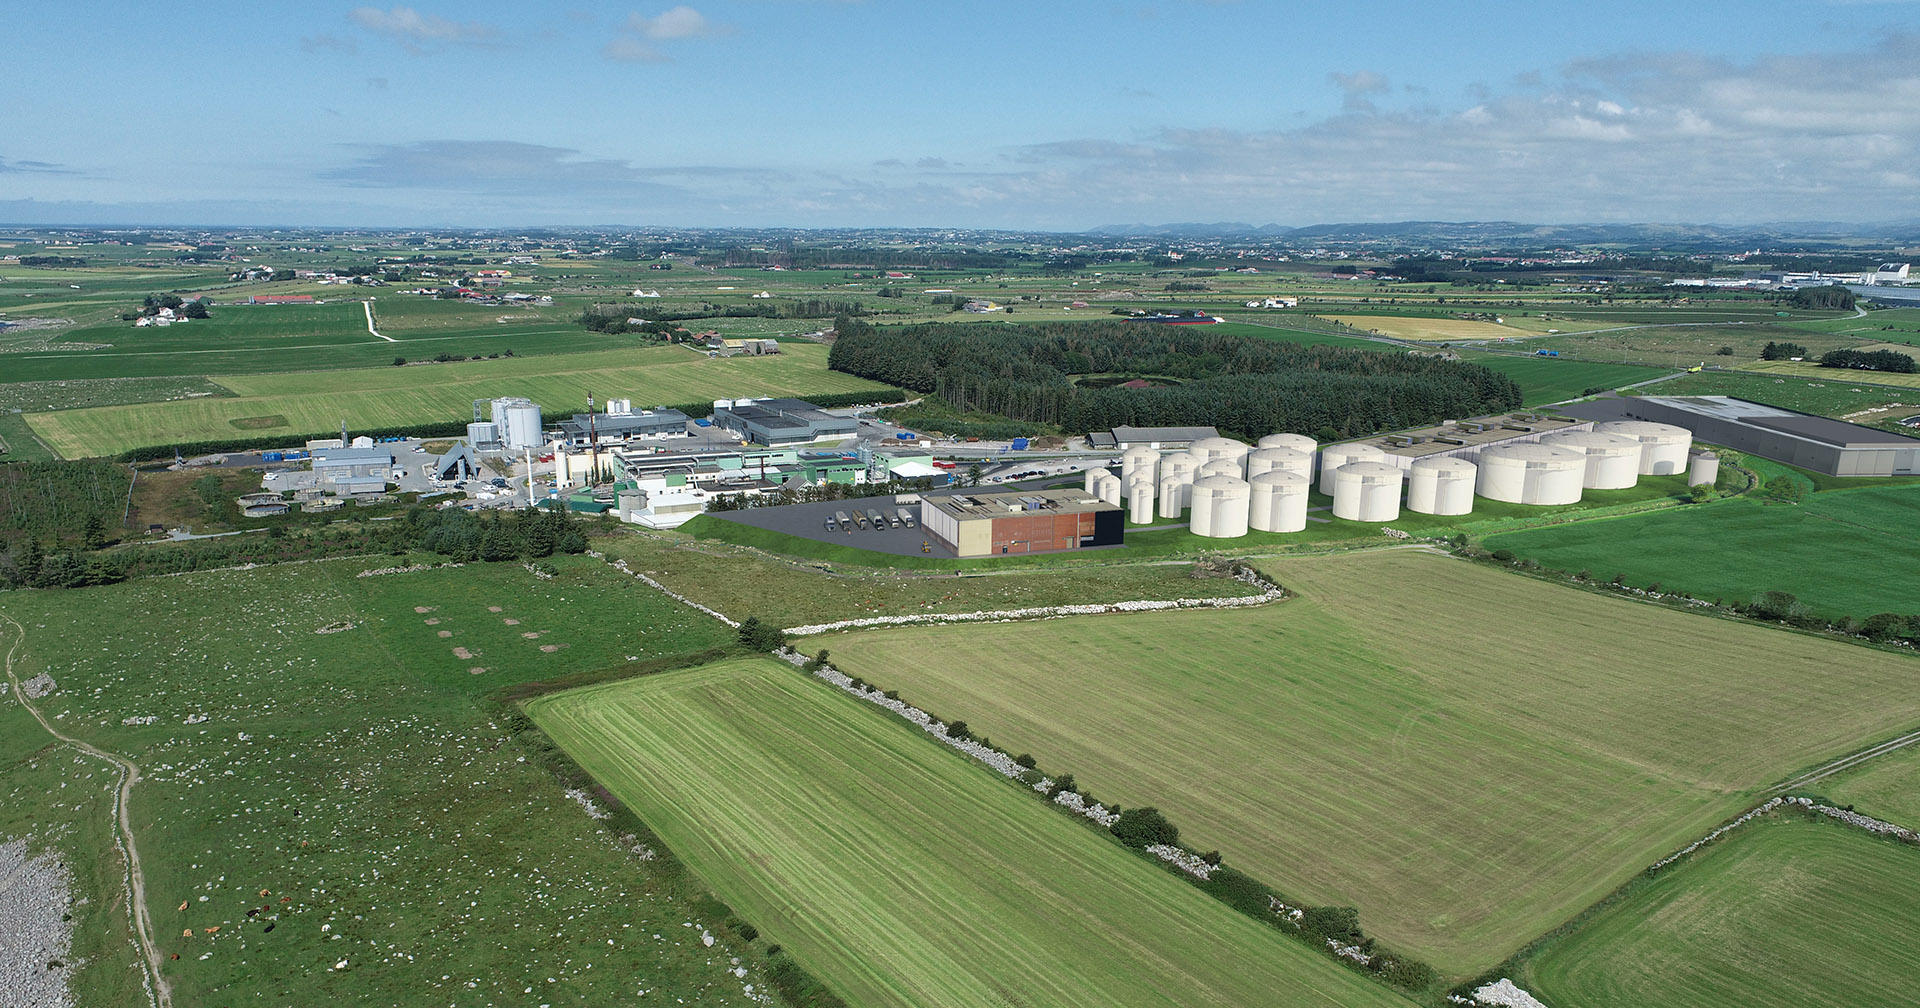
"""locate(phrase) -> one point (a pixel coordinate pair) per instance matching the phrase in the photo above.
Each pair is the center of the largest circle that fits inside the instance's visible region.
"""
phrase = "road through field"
(136, 881)
(368, 305)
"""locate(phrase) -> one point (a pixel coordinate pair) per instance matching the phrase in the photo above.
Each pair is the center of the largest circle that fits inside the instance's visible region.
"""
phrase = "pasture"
(1429, 329)
(1551, 380)
(1909, 383)
(328, 738)
(1833, 397)
(1468, 757)
(901, 874)
(394, 397)
(1783, 913)
(1735, 549)
(1281, 334)
(1885, 787)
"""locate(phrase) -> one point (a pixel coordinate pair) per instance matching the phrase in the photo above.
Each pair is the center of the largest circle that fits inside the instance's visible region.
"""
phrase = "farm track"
(368, 305)
(136, 883)
(1848, 762)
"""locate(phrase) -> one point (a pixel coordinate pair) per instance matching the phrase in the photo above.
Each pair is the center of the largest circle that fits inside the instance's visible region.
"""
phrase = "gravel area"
(34, 941)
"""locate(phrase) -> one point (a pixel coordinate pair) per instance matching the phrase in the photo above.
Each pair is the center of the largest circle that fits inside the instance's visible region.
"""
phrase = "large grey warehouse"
(1833, 447)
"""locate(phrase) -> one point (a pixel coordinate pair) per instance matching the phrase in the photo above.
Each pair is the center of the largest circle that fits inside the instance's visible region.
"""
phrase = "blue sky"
(1044, 115)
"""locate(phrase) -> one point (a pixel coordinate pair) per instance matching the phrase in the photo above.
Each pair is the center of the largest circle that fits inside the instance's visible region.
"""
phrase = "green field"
(1884, 787)
(1280, 334)
(904, 875)
(1833, 397)
(1467, 756)
(1783, 913)
(365, 776)
(1549, 380)
(394, 397)
(1735, 549)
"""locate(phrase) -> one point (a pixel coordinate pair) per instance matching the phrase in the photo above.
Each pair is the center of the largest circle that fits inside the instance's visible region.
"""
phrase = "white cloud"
(680, 22)
(411, 26)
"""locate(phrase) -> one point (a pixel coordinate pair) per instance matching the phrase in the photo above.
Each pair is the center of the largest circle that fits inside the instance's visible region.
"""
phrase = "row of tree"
(1782, 351)
(1868, 360)
(1248, 386)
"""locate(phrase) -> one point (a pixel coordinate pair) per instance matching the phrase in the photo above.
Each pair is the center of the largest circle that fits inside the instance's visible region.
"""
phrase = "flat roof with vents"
(1472, 435)
(1001, 505)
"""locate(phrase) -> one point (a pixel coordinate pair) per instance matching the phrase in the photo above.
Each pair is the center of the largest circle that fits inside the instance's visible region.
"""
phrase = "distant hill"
(1514, 233)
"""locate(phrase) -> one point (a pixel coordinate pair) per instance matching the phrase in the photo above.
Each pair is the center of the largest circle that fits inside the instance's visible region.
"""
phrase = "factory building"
(516, 423)
(354, 470)
(1832, 447)
(777, 422)
(1157, 438)
(620, 422)
(1032, 521)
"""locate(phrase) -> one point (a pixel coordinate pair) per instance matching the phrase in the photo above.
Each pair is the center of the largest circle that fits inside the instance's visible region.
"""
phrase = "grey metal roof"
(1126, 434)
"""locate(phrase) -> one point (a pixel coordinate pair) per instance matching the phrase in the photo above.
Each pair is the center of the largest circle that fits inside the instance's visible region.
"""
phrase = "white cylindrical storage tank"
(1531, 474)
(1092, 477)
(1297, 442)
(1220, 467)
(1278, 501)
(1140, 502)
(1171, 494)
(1332, 457)
(1212, 449)
(1280, 459)
(483, 433)
(1367, 491)
(1441, 486)
(1184, 468)
(1613, 460)
(1220, 507)
(1663, 447)
(1107, 488)
(1139, 462)
(521, 427)
(1703, 468)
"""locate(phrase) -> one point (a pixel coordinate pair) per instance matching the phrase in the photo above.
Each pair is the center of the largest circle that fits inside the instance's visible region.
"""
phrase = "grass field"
(1885, 787)
(1783, 913)
(392, 397)
(1281, 334)
(1550, 380)
(1468, 757)
(1836, 376)
(1735, 549)
(1822, 398)
(1427, 329)
(903, 875)
(364, 776)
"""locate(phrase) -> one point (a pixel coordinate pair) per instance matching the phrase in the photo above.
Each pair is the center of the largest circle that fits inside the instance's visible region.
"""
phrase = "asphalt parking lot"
(809, 521)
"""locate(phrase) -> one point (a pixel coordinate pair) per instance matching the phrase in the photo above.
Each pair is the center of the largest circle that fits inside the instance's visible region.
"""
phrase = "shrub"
(1143, 827)
(1339, 923)
(1026, 760)
(1503, 555)
(760, 636)
(958, 729)
(1064, 782)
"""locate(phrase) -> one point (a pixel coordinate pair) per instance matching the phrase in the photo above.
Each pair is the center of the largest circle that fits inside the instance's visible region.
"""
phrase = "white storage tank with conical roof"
(1140, 502)
(1212, 449)
(1663, 447)
(1532, 474)
(1139, 462)
(1703, 467)
(1107, 488)
(1171, 492)
(1278, 501)
(1297, 442)
(1441, 486)
(1293, 460)
(1092, 479)
(1367, 491)
(1221, 467)
(1332, 457)
(1220, 507)
(1613, 460)
(1183, 468)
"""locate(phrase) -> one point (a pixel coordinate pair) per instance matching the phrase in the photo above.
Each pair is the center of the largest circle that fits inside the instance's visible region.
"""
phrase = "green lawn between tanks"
(394, 397)
(365, 775)
(1782, 913)
(904, 875)
(1884, 787)
(1468, 757)
(1734, 549)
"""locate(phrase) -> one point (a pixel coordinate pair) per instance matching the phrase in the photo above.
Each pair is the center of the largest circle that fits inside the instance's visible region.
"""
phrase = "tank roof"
(1444, 464)
(1369, 470)
(1644, 429)
(1219, 483)
(1441, 439)
(1533, 453)
(1279, 477)
(1217, 444)
(1277, 453)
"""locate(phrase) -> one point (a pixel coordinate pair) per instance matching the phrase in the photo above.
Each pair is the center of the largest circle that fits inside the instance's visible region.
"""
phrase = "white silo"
(1092, 479)
(1703, 467)
(1139, 462)
(1441, 486)
(1663, 447)
(1184, 468)
(1220, 507)
(1332, 457)
(1281, 459)
(1221, 467)
(1613, 460)
(1278, 501)
(1531, 474)
(1107, 488)
(1172, 491)
(1140, 502)
(483, 433)
(1367, 491)
(519, 423)
(1297, 442)
(1213, 449)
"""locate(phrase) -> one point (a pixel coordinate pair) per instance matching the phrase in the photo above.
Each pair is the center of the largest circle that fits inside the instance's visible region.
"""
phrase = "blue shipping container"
(905, 435)
(703, 423)
(271, 456)
(1019, 444)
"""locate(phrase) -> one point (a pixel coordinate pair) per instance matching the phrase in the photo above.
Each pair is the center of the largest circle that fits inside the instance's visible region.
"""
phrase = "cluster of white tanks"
(1231, 489)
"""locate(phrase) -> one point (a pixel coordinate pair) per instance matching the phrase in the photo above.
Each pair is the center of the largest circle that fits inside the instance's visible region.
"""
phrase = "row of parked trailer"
(871, 518)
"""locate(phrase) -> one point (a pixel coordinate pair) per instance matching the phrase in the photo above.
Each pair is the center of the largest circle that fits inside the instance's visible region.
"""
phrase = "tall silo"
(1139, 462)
(1278, 501)
(1367, 491)
(1283, 459)
(519, 422)
(1332, 457)
(1172, 492)
(1663, 447)
(1092, 478)
(1613, 460)
(1703, 467)
(1140, 502)
(1297, 442)
(1441, 486)
(1212, 449)
(1531, 474)
(1221, 467)
(1184, 468)
(1220, 507)
(1107, 488)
